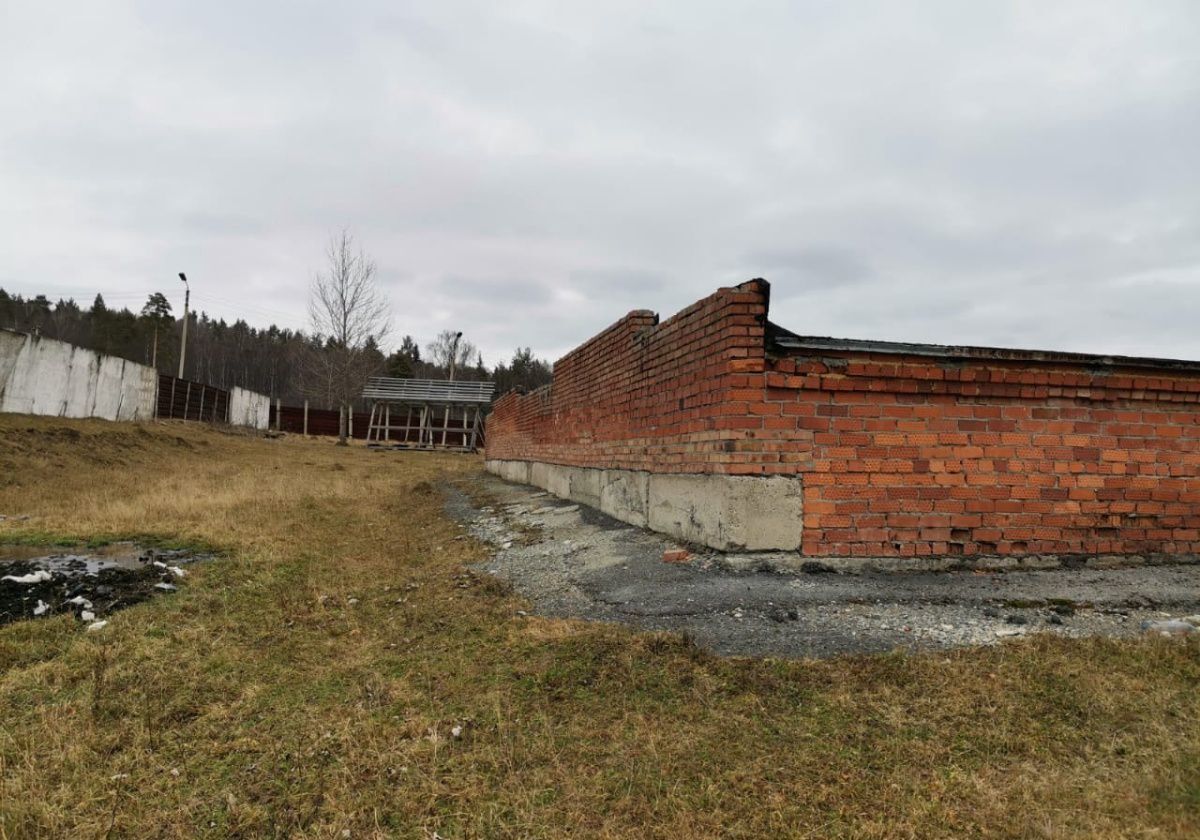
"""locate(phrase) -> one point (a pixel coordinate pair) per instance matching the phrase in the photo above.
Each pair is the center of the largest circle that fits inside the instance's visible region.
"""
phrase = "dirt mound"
(56, 443)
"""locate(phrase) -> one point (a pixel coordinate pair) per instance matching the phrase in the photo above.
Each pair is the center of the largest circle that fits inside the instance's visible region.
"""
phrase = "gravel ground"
(571, 561)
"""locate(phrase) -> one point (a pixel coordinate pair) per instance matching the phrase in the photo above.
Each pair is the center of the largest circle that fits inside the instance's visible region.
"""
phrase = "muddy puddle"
(90, 584)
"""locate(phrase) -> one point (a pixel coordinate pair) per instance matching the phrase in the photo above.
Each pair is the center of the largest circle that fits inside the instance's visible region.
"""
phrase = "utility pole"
(187, 293)
(454, 354)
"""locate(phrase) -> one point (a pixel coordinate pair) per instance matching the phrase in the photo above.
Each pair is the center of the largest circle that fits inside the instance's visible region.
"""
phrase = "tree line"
(279, 362)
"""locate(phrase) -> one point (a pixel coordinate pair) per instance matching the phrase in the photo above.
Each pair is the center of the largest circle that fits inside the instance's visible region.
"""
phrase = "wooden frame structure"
(436, 413)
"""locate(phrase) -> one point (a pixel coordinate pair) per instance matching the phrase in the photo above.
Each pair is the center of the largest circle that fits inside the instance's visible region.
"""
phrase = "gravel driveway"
(571, 561)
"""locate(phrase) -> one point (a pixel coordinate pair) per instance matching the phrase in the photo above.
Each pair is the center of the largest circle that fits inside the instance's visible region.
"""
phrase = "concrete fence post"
(306, 418)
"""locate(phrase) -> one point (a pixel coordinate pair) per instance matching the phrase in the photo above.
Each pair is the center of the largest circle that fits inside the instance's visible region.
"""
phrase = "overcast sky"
(1023, 174)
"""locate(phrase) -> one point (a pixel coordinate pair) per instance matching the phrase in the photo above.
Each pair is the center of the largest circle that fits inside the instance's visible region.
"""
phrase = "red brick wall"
(643, 395)
(899, 455)
(919, 456)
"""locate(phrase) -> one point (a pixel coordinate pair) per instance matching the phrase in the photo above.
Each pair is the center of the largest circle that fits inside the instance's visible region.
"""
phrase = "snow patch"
(33, 577)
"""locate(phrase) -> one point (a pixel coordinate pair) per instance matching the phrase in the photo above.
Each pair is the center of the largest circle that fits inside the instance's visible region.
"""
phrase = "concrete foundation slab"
(585, 486)
(746, 513)
(539, 474)
(515, 471)
(624, 495)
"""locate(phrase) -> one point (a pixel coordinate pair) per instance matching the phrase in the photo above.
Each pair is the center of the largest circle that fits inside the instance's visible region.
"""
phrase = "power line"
(241, 305)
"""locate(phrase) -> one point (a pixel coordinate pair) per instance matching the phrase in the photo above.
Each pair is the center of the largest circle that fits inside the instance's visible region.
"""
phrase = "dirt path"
(572, 561)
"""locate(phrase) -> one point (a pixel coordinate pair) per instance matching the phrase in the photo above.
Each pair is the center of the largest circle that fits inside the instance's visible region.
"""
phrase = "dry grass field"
(309, 681)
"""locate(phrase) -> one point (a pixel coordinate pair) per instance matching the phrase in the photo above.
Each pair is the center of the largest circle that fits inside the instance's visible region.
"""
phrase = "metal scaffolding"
(436, 414)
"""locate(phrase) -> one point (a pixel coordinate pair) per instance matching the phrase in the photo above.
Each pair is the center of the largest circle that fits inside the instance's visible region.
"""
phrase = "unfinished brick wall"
(900, 454)
(644, 395)
(916, 456)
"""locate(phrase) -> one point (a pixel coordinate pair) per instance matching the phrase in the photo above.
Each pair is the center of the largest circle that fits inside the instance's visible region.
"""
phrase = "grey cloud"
(799, 270)
(604, 281)
(490, 290)
(528, 172)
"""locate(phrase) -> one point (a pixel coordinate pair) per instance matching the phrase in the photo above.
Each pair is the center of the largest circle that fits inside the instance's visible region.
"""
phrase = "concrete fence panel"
(138, 385)
(107, 389)
(247, 408)
(10, 347)
(43, 376)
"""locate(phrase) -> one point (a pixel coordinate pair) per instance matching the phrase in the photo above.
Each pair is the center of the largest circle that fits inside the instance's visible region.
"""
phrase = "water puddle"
(36, 581)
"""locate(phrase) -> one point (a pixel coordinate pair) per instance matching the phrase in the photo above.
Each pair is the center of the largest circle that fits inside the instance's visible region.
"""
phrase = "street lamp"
(187, 293)
(454, 354)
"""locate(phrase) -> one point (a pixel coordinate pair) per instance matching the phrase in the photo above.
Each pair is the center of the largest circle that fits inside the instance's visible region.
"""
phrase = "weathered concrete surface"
(10, 347)
(585, 486)
(575, 483)
(625, 495)
(573, 562)
(539, 475)
(516, 471)
(751, 513)
(44, 376)
(247, 408)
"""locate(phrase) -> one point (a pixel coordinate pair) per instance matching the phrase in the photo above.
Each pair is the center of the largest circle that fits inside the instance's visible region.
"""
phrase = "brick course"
(900, 454)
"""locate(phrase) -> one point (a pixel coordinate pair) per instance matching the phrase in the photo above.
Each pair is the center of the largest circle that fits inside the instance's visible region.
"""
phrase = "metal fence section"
(182, 399)
(321, 421)
(405, 413)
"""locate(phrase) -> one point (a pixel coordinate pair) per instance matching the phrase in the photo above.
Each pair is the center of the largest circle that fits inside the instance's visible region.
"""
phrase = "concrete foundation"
(514, 471)
(730, 513)
(625, 495)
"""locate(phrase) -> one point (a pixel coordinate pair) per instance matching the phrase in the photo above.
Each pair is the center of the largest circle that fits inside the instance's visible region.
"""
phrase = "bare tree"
(349, 316)
(451, 352)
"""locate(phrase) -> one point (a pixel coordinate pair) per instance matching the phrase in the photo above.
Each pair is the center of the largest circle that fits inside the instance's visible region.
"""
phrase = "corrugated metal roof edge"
(428, 390)
(782, 341)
